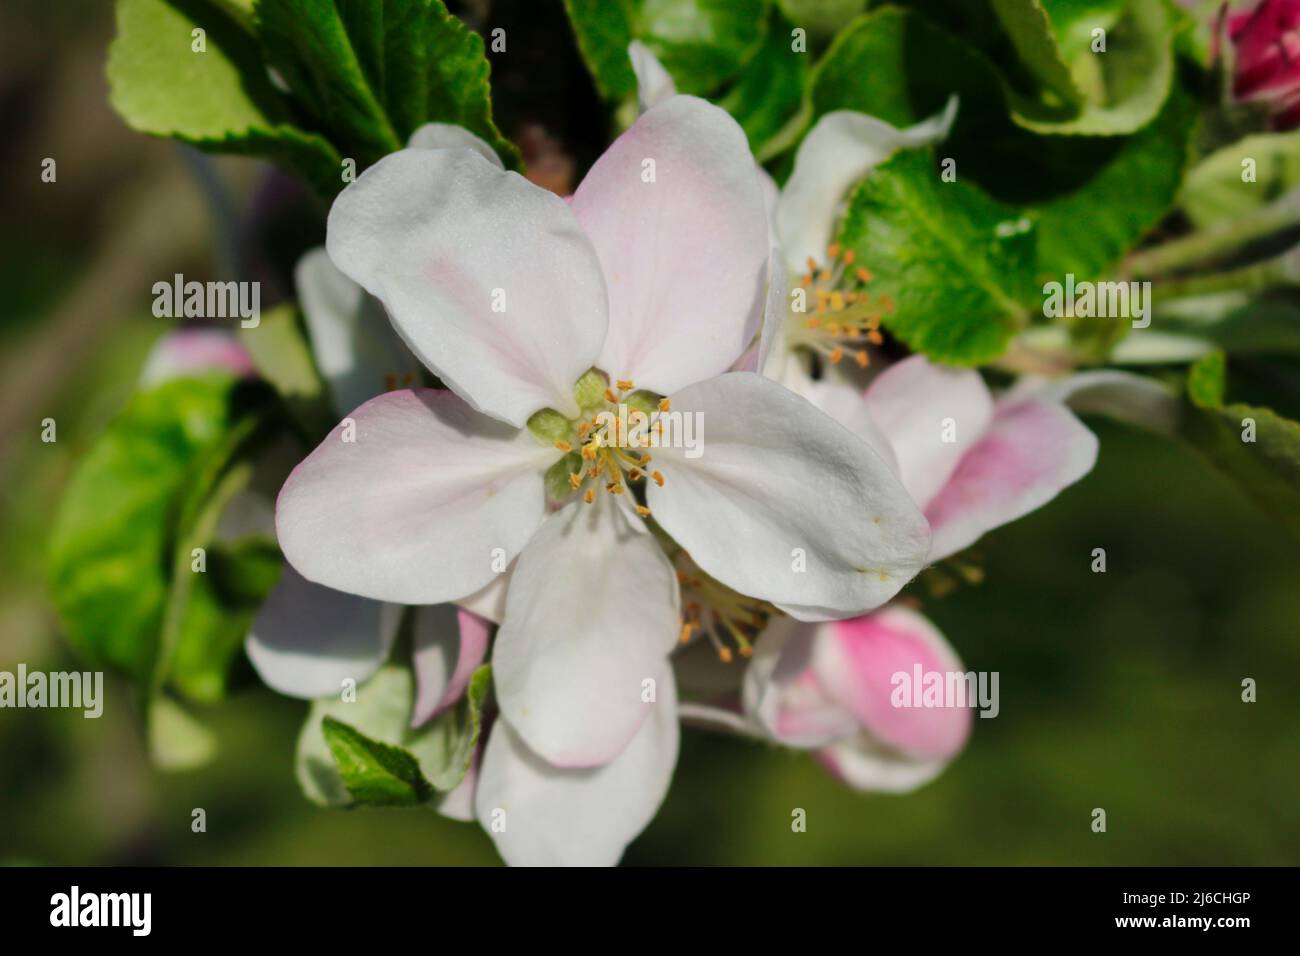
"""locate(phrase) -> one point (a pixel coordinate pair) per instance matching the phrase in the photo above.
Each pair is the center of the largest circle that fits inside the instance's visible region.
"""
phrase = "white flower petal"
(837, 152)
(592, 613)
(447, 136)
(540, 815)
(778, 485)
(307, 639)
(356, 349)
(415, 509)
(844, 403)
(653, 82)
(489, 602)
(919, 406)
(486, 277)
(864, 764)
(684, 255)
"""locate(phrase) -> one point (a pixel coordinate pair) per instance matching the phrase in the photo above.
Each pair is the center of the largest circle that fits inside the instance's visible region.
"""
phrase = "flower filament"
(831, 312)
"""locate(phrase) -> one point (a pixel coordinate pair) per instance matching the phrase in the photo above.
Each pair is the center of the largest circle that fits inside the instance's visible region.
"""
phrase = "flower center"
(606, 446)
(831, 312)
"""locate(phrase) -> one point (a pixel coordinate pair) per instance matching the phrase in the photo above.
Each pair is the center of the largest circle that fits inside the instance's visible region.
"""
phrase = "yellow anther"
(643, 511)
(837, 301)
(812, 265)
(724, 655)
(664, 404)
(875, 338)
(837, 354)
(611, 397)
(658, 478)
(593, 471)
(862, 359)
(590, 496)
(849, 256)
(624, 384)
(583, 428)
(575, 480)
(564, 446)
(688, 628)
(812, 322)
(833, 251)
(633, 474)
(863, 274)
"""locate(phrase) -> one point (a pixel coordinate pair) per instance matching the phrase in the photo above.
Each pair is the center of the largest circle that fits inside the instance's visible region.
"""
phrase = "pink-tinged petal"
(541, 815)
(591, 614)
(1030, 453)
(858, 663)
(356, 349)
(194, 351)
(919, 406)
(783, 693)
(487, 278)
(306, 640)
(782, 503)
(449, 645)
(420, 508)
(684, 255)
(864, 764)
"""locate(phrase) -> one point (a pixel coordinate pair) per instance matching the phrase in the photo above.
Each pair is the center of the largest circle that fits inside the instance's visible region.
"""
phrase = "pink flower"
(841, 688)
(1267, 42)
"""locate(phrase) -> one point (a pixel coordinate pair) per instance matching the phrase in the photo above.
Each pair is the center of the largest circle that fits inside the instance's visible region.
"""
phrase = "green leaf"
(381, 711)
(1031, 33)
(1256, 447)
(1132, 183)
(1215, 191)
(1120, 186)
(220, 100)
(1052, 80)
(702, 43)
(374, 773)
(111, 557)
(442, 749)
(1131, 79)
(445, 748)
(1207, 380)
(373, 71)
(603, 29)
(769, 91)
(958, 265)
(308, 44)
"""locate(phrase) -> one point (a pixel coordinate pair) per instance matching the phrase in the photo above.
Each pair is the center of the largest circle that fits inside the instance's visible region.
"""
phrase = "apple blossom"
(514, 298)
(833, 687)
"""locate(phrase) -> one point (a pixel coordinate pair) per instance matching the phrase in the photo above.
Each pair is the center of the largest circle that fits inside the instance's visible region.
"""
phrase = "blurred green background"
(1119, 690)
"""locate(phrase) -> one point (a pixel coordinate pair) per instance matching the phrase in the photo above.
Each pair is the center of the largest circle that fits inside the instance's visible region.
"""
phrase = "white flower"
(654, 273)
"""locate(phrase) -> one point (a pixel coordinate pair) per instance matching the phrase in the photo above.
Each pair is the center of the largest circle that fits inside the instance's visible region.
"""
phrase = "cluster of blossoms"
(621, 590)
